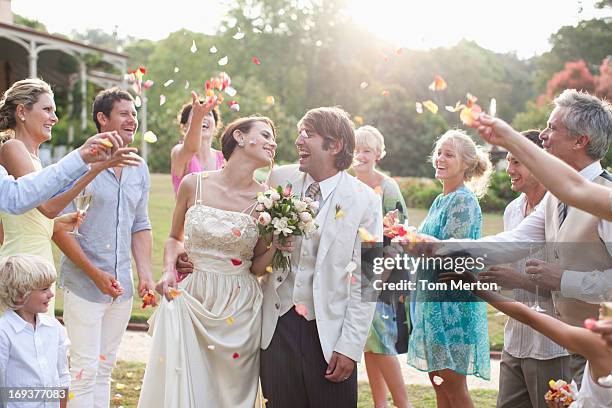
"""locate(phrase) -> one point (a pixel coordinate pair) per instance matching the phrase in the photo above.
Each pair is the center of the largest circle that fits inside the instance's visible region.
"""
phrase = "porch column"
(83, 77)
(33, 59)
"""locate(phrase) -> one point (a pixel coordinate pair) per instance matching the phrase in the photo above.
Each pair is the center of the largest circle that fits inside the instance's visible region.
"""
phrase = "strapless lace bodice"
(212, 233)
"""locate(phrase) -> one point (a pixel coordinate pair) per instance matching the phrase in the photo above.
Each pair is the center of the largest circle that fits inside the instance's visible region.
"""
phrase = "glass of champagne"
(534, 254)
(81, 202)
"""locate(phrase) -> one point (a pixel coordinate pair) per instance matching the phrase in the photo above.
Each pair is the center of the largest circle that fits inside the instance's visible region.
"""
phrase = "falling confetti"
(236, 232)
(301, 309)
(353, 280)
(431, 106)
(386, 317)
(439, 84)
(238, 36)
(256, 60)
(399, 51)
(235, 356)
(176, 69)
(148, 299)
(270, 100)
(106, 142)
(233, 105)
(468, 115)
(350, 267)
(385, 93)
(269, 269)
(186, 84)
(137, 101)
(174, 293)
(70, 396)
(366, 236)
(120, 386)
(378, 190)
(148, 84)
(162, 100)
(236, 262)
(359, 120)
(438, 380)
(230, 91)
(168, 83)
(493, 107)
(150, 137)
(213, 49)
(223, 61)
(319, 43)
(590, 323)
(194, 48)
(230, 320)
(363, 85)
(211, 346)
(419, 107)
(102, 358)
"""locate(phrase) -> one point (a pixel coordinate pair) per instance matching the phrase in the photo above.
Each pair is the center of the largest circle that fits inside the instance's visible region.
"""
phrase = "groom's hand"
(340, 368)
(183, 264)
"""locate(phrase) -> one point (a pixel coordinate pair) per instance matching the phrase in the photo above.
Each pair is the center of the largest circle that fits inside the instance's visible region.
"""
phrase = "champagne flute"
(536, 306)
(81, 202)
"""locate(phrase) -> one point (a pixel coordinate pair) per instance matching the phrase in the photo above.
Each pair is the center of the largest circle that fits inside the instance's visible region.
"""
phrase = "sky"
(521, 26)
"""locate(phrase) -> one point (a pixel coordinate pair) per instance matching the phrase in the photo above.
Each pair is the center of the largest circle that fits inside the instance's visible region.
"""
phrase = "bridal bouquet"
(282, 214)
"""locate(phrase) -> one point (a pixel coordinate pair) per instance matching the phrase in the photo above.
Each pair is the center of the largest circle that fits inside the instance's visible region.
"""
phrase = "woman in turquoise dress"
(388, 335)
(450, 340)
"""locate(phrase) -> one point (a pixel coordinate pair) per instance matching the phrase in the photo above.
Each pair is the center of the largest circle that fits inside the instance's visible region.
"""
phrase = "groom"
(315, 323)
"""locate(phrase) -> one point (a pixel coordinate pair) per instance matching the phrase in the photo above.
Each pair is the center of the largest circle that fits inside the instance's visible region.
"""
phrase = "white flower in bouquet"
(305, 216)
(266, 201)
(260, 207)
(264, 218)
(274, 196)
(307, 200)
(313, 205)
(309, 228)
(300, 205)
(281, 226)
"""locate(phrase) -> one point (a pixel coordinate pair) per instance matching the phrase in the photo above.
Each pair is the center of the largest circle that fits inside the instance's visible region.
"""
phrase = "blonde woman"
(450, 340)
(388, 335)
(27, 117)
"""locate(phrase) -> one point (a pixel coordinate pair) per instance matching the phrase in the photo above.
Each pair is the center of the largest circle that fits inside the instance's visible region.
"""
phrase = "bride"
(206, 334)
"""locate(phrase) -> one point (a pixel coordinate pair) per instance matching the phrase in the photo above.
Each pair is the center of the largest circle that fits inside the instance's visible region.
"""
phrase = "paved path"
(136, 345)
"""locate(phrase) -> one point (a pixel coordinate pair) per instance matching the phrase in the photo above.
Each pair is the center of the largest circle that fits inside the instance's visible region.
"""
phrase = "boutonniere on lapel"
(339, 212)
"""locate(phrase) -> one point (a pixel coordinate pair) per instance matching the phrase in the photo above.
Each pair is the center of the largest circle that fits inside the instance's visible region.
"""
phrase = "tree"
(576, 75)
(603, 82)
(28, 22)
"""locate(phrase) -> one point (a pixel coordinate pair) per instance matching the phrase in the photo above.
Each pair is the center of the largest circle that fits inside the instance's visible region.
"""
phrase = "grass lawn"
(125, 390)
(161, 206)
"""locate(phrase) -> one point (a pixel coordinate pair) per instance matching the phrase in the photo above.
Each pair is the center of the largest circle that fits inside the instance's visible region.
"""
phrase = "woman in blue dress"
(388, 335)
(450, 340)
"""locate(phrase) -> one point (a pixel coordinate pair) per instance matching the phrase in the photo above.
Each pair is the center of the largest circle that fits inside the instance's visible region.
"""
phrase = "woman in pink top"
(200, 119)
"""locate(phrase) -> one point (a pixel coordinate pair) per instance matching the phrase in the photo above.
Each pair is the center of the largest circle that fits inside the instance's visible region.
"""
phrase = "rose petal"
(168, 82)
(223, 61)
(176, 69)
(363, 85)
(236, 262)
(438, 380)
(137, 101)
(150, 137)
(439, 84)
(102, 358)
(238, 36)
(419, 107)
(211, 347)
(385, 93)
(358, 120)
(230, 91)
(162, 100)
(230, 320)
(213, 49)
(301, 309)
(193, 48)
(270, 100)
(186, 84)
(256, 60)
(269, 269)
(431, 106)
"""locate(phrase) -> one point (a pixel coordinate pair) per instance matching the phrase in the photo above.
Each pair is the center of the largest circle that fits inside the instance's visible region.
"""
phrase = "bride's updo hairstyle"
(244, 125)
(479, 167)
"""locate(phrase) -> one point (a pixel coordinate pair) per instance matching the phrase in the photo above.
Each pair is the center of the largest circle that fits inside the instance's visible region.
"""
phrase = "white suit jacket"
(343, 319)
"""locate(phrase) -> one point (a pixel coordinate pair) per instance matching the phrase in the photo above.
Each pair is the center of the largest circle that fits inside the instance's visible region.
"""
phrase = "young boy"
(33, 345)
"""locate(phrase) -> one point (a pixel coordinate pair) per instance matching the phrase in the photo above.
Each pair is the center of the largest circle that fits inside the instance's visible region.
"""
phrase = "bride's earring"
(241, 143)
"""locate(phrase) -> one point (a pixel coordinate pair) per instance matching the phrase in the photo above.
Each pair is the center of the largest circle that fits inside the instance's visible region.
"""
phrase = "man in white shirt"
(529, 359)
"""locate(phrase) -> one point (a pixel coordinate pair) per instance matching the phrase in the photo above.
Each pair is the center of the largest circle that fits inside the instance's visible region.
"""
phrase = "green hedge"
(421, 192)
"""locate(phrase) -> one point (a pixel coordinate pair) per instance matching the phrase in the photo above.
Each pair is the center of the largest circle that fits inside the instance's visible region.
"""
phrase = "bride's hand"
(167, 281)
(286, 247)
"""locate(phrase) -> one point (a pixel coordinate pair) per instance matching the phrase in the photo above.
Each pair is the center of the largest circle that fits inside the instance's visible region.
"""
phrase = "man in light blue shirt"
(27, 192)
(96, 270)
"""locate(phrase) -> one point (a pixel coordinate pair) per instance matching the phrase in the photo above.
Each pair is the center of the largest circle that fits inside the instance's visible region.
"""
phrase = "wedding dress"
(206, 341)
